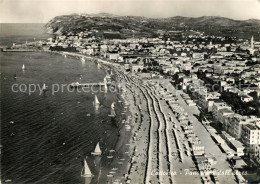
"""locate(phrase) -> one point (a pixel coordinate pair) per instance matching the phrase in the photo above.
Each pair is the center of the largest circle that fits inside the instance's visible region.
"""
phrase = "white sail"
(87, 172)
(113, 113)
(97, 149)
(96, 100)
(23, 67)
(105, 86)
(113, 105)
(44, 86)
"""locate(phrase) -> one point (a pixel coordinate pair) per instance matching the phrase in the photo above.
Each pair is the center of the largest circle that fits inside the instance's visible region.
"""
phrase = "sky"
(41, 11)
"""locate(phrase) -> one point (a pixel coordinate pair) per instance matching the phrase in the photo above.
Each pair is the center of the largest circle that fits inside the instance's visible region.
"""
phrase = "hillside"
(151, 27)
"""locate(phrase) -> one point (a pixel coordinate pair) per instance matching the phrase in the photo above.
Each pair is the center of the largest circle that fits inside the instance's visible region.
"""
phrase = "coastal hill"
(128, 26)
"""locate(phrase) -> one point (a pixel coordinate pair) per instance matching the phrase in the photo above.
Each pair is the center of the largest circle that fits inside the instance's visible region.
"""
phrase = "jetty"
(107, 81)
(77, 84)
(20, 50)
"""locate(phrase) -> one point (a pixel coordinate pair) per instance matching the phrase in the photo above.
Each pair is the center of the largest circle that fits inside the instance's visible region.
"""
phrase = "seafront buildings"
(218, 76)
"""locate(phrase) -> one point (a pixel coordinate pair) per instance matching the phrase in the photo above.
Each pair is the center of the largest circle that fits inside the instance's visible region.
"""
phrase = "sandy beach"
(157, 150)
(151, 147)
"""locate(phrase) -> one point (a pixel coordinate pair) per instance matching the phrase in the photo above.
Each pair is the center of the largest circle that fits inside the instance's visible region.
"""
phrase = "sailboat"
(98, 65)
(23, 67)
(86, 171)
(113, 113)
(113, 105)
(105, 87)
(96, 102)
(44, 87)
(97, 150)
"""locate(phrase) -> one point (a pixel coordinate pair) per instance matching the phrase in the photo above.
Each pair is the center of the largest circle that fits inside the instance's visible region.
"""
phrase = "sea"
(45, 137)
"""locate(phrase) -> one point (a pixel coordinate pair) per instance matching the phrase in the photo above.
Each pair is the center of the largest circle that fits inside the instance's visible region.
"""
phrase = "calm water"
(20, 33)
(52, 134)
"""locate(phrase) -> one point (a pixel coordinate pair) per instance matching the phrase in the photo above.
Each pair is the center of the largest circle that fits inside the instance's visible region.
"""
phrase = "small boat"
(113, 105)
(113, 113)
(23, 67)
(75, 84)
(127, 127)
(86, 171)
(105, 80)
(105, 87)
(110, 175)
(11, 122)
(12, 134)
(97, 150)
(96, 102)
(109, 156)
(88, 115)
(111, 151)
(44, 87)
(83, 59)
(114, 169)
(112, 172)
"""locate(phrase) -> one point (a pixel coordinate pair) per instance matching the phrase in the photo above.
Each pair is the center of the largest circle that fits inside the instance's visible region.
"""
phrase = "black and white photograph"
(130, 91)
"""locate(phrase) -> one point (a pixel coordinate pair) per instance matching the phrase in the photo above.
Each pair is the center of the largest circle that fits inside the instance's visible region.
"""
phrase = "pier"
(19, 50)
(76, 84)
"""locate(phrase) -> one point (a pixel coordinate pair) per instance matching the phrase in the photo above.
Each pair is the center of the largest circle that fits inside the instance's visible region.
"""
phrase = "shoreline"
(148, 146)
(124, 137)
